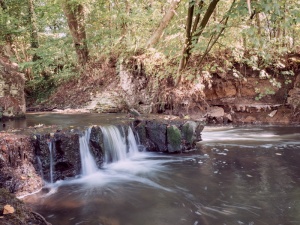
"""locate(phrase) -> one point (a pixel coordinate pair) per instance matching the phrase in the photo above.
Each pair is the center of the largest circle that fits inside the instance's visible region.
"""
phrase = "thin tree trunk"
(206, 17)
(188, 35)
(75, 17)
(33, 25)
(197, 18)
(214, 39)
(163, 24)
(124, 22)
(187, 48)
(216, 14)
(258, 24)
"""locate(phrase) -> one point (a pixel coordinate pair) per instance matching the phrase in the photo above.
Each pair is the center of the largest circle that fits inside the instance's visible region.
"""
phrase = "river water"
(238, 175)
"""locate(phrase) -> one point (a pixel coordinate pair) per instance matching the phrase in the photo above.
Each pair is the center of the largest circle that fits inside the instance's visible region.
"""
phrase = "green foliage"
(124, 27)
(264, 93)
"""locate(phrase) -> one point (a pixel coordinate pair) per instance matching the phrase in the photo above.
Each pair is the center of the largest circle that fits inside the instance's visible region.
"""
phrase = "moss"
(188, 131)
(174, 139)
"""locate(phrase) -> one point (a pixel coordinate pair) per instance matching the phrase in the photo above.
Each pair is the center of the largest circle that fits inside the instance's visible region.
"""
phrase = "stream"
(238, 175)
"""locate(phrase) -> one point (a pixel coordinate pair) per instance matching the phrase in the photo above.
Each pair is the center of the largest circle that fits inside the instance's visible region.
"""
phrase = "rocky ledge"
(27, 160)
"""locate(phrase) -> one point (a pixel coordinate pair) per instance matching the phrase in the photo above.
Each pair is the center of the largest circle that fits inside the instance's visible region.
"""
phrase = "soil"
(238, 96)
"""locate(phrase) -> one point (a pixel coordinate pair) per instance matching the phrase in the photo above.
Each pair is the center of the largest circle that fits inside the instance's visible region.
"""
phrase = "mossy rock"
(174, 139)
(188, 132)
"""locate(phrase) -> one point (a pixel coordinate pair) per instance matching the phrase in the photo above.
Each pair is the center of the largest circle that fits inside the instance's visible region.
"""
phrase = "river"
(238, 175)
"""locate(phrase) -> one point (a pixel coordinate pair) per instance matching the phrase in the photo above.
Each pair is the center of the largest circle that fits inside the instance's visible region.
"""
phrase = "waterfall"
(115, 145)
(133, 146)
(88, 163)
(39, 162)
(141, 148)
(50, 146)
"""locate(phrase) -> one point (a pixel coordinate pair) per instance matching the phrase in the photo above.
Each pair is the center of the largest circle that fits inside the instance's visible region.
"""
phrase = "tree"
(195, 33)
(33, 25)
(74, 13)
(163, 24)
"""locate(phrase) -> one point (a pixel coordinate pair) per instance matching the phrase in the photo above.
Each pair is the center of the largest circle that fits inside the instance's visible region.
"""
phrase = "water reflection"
(239, 176)
(63, 120)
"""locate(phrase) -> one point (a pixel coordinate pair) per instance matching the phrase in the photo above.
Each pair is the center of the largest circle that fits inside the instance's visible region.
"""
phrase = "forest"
(149, 112)
(58, 41)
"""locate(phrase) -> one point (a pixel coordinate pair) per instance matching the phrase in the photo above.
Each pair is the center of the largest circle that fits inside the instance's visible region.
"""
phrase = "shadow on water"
(239, 176)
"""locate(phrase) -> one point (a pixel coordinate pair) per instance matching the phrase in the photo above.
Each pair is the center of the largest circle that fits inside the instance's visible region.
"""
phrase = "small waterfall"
(141, 148)
(115, 144)
(133, 147)
(51, 146)
(39, 162)
(88, 163)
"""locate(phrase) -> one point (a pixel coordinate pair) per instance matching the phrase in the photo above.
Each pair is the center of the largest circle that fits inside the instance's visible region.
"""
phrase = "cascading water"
(133, 147)
(88, 164)
(39, 162)
(115, 144)
(141, 148)
(50, 146)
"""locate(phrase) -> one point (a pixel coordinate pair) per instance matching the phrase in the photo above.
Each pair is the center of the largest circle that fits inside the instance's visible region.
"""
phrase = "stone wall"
(12, 99)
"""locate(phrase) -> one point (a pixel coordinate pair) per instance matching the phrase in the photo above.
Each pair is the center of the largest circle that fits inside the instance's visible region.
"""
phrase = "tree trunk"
(206, 17)
(33, 26)
(188, 44)
(74, 13)
(163, 24)
(188, 36)
(197, 18)
(258, 24)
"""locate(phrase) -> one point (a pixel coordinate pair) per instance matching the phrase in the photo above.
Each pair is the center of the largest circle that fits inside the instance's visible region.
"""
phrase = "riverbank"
(242, 95)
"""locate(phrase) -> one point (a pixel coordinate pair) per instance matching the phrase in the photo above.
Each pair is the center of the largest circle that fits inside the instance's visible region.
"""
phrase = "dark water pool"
(248, 175)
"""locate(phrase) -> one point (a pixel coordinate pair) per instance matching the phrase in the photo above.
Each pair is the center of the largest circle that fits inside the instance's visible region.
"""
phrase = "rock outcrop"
(18, 172)
(168, 135)
(57, 154)
(294, 95)
(42, 155)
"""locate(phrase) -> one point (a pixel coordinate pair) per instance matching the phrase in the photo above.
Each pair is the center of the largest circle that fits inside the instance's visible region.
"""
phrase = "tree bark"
(74, 13)
(163, 24)
(188, 44)
(206, 17)
(188, 35)
(33, 25)
(197, 18)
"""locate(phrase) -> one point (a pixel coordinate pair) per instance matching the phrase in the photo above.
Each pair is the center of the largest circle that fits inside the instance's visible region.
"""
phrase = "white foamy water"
(88, 164)
(50, 146)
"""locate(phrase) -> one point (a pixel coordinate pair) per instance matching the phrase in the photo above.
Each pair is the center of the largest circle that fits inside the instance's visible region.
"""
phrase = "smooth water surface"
(63, 120)
(248, 175)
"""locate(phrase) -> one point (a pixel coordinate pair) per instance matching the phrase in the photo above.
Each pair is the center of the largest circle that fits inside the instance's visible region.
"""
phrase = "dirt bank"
(241, 95)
